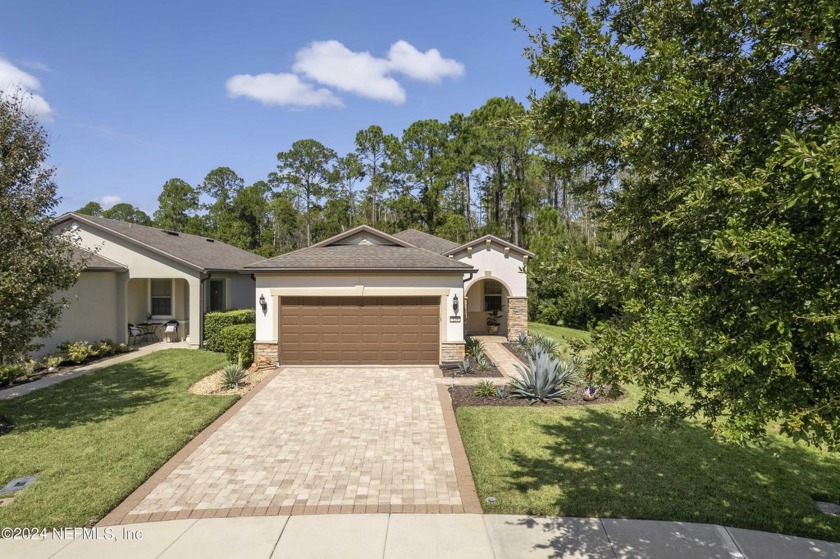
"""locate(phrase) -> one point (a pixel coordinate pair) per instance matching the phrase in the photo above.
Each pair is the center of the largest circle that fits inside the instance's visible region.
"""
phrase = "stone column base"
(517, 317)
(452, 352)
(266, 352)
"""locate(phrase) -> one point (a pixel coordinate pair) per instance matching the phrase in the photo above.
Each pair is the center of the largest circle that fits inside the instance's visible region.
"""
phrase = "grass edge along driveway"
(93, 440)
(587, 461)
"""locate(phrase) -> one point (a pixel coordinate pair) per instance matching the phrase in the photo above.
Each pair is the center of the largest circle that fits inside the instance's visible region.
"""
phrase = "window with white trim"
(492, 295)
(160, 294)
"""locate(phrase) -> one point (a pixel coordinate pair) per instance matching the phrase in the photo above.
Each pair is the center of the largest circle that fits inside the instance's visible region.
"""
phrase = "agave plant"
(474, 348)
(465, 367)
(522, 340)
(546, 378)
(232, 375)
(544, 343)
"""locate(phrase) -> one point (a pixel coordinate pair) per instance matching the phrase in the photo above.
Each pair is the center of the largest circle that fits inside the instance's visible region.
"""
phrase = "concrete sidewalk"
(407, 536)
(23, 389)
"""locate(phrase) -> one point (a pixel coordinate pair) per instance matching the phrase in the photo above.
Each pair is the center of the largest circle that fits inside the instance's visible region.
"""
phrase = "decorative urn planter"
(590, 393)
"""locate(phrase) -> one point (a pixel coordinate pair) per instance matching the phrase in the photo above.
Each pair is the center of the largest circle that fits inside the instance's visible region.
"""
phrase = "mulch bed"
(490, 372)
(211, 385)
(517, 351)
(465, 396)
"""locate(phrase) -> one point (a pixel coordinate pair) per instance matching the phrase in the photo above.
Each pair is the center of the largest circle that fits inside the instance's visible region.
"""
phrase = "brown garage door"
(359, 330)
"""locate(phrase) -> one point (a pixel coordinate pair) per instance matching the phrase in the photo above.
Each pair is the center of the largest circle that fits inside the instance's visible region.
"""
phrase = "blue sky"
(133, 94)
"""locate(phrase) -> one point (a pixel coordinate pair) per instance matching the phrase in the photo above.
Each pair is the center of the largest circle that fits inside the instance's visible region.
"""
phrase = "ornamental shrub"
(214, 322)
(237, 342)
(8, 373)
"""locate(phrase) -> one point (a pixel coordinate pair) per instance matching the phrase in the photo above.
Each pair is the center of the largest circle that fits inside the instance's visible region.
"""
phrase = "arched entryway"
(484, 296)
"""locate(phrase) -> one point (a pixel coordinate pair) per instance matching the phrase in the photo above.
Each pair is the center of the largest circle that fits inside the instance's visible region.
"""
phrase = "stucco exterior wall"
(239, 290)
(273, 286)
(92, 314)
(144, 264)
(491, 261)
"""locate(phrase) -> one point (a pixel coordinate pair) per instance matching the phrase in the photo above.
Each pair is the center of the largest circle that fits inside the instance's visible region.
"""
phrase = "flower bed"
(70, 356)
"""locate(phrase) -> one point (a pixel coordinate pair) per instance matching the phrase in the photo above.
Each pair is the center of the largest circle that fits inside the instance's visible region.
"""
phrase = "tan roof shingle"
(197, 252)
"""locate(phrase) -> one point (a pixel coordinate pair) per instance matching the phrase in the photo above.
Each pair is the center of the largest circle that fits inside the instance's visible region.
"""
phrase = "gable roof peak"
(491, 238)
(389, 239)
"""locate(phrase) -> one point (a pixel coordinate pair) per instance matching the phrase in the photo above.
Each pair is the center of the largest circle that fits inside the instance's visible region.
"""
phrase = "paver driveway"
(320, 440)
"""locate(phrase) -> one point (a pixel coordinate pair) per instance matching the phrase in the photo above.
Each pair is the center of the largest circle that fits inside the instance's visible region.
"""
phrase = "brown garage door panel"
(359, 330)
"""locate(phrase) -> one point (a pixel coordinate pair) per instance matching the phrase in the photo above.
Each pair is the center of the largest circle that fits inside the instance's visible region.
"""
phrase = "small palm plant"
(232, 375)
(546, 378)
(543, 343)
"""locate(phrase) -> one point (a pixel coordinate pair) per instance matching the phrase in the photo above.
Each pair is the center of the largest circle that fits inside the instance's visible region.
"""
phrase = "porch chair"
(134, 332)
(170, 331)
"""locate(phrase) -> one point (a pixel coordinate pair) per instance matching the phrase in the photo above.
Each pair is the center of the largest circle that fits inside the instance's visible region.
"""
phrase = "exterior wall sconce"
(455, 306)
(263, 304)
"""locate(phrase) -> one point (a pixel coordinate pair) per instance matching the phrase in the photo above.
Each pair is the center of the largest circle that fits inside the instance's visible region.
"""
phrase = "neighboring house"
(366, 297)
(136, 273)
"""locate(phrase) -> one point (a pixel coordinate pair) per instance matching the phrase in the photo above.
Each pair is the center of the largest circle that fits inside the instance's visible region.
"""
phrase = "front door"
(217, 295)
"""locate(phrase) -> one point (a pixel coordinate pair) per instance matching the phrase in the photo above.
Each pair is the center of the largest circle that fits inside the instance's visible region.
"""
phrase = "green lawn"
(560, 333)
(588, 461)
(93, 440)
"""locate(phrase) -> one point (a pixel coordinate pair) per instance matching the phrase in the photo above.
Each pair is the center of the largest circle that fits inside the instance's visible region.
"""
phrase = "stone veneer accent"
(266, 350)
(517, 317)
(452, 352)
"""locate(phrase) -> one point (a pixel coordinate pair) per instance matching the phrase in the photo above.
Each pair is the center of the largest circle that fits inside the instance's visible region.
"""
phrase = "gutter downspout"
(201, 291)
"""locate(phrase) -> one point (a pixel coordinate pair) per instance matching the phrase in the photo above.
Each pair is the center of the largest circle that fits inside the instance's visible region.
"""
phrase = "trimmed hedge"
(214, 322)
(239, 340)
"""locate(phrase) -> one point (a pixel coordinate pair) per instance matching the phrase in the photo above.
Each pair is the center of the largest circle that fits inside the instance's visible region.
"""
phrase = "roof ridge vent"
(210, 240)
(173, 233)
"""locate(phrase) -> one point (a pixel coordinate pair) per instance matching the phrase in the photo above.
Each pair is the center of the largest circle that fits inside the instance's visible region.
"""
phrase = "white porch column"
(196, 317)
(122, 308)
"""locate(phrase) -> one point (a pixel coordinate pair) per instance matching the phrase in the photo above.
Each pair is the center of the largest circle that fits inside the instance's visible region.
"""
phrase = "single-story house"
(367, 297)
(137, 274)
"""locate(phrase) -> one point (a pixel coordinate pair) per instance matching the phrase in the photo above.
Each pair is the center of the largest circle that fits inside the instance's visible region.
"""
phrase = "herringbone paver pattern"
(327, 439)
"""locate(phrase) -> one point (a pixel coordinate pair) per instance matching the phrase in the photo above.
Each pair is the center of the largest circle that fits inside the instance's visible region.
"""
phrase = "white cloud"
(35, 65)
(427, 66)
(280, 89)
(109, 201)
(13, 78)
(331, 63)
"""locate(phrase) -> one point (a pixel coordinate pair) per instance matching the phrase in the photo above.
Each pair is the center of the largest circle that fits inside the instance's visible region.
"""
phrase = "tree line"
(483, 172)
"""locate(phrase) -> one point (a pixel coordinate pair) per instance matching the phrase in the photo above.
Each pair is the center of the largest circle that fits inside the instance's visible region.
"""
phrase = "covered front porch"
(153, 302)
(487, 294)
(483, 297)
